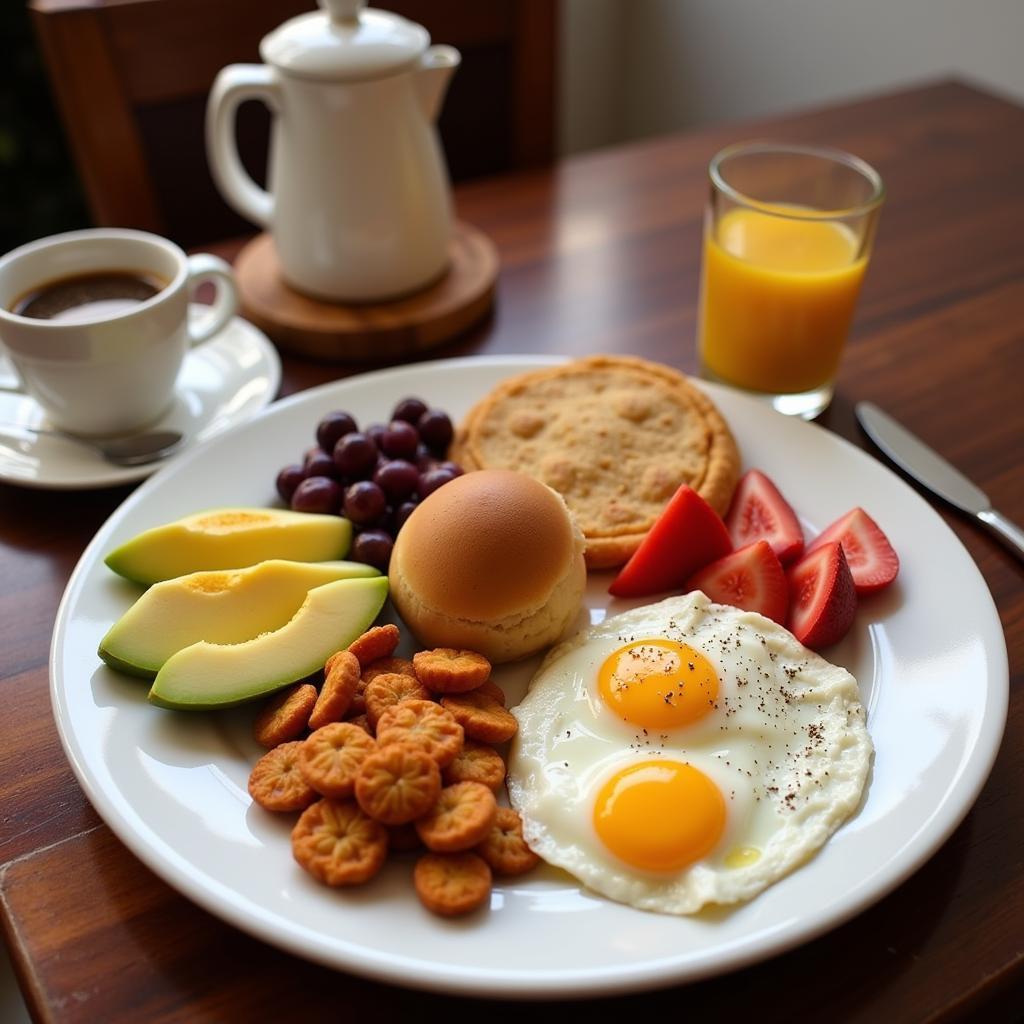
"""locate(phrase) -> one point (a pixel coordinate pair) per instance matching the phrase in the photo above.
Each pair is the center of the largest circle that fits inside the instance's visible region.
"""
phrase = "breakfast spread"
(685, 752)
(614, 435)
(492, 562)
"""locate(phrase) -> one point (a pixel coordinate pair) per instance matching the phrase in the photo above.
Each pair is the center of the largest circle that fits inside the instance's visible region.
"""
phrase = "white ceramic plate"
(929, 655)
(225, 381)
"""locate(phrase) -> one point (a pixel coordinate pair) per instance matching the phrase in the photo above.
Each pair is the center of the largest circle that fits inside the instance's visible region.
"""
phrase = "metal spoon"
(132, 450)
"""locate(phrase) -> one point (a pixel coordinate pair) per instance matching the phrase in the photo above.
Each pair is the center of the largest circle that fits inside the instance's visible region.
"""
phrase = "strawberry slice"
(759, 510)
(872, 561)
(823, 599)
(752, 579)
(687, 535)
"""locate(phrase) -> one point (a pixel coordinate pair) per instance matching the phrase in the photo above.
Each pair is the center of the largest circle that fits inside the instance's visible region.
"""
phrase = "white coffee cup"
(114, 373)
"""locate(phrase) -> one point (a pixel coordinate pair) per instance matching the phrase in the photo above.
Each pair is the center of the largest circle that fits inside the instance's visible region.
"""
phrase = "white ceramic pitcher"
(359, 201)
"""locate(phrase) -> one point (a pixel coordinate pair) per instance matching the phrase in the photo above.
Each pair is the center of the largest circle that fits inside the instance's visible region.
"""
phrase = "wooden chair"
(131, 79)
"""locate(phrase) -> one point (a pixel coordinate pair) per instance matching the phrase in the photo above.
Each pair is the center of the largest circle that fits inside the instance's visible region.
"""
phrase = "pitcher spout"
(437, 65)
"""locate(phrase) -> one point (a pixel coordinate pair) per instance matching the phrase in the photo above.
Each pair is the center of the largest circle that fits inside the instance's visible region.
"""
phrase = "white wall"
(639, 67)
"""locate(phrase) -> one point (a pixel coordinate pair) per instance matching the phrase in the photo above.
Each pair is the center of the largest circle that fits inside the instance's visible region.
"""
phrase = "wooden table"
(601, 253)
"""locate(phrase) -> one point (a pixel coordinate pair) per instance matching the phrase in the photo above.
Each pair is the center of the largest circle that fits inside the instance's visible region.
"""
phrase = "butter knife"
(931, 470)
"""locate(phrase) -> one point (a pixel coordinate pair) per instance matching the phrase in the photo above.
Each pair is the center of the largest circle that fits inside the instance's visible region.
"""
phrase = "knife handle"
(1005, 529)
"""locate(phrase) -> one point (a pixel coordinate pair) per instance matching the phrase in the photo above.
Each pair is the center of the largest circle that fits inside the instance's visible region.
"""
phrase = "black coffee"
(92, 296)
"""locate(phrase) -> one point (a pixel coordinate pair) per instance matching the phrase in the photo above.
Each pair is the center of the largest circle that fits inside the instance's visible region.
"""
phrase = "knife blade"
(932, 471)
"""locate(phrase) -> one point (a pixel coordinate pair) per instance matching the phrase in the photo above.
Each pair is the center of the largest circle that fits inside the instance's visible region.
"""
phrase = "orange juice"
(777, 299)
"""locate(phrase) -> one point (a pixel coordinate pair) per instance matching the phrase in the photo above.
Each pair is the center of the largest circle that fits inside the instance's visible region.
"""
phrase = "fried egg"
(686, 753)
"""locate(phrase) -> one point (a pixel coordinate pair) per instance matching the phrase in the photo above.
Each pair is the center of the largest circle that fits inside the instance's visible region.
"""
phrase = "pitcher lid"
(344, 42)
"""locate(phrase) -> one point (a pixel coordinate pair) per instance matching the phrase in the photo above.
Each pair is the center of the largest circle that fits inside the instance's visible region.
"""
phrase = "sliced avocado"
(207, 675)
(230, 538)
(223, 606)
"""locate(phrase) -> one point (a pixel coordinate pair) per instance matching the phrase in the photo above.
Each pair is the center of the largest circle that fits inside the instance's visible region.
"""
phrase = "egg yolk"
(659, 815)
(658, 684)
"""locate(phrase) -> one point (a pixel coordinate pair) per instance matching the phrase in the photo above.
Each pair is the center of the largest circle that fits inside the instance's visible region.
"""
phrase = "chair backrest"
(131, 79)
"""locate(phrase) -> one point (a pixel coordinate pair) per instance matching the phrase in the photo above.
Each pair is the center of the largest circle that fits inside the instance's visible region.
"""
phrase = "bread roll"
(492, 562)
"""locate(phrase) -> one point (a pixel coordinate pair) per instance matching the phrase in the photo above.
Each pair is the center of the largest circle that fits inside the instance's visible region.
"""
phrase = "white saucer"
(225, 381)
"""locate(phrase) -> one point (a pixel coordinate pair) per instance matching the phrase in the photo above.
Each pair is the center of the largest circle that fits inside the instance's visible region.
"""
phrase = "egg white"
(786, 744)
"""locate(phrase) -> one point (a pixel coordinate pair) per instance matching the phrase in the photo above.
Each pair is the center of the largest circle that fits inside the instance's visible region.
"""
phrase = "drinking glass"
(787, 238)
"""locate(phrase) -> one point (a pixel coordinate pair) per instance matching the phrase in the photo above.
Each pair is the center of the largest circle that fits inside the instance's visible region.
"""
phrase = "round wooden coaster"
(372, 331)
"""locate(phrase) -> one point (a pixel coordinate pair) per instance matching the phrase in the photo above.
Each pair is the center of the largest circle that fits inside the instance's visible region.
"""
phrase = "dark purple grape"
(364, 503)
(355, 455)
(372, 547)
(397, 479)
(400, 440)
(432, 479)
(332, 428)
(453, 467)
(410, 410)
(317, 494)
(288, 479)
(321, 464)
(425, 459)
(435, 430)
(402, 513)
(376, 431)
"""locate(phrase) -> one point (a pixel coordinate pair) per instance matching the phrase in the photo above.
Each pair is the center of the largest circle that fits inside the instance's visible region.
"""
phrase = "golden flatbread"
(614, 435)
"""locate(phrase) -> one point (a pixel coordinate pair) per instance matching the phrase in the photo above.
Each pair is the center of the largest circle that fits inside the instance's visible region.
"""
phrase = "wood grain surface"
(602, 254)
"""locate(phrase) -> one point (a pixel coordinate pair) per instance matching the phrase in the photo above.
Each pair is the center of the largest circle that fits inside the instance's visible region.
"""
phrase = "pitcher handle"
(234, 85)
